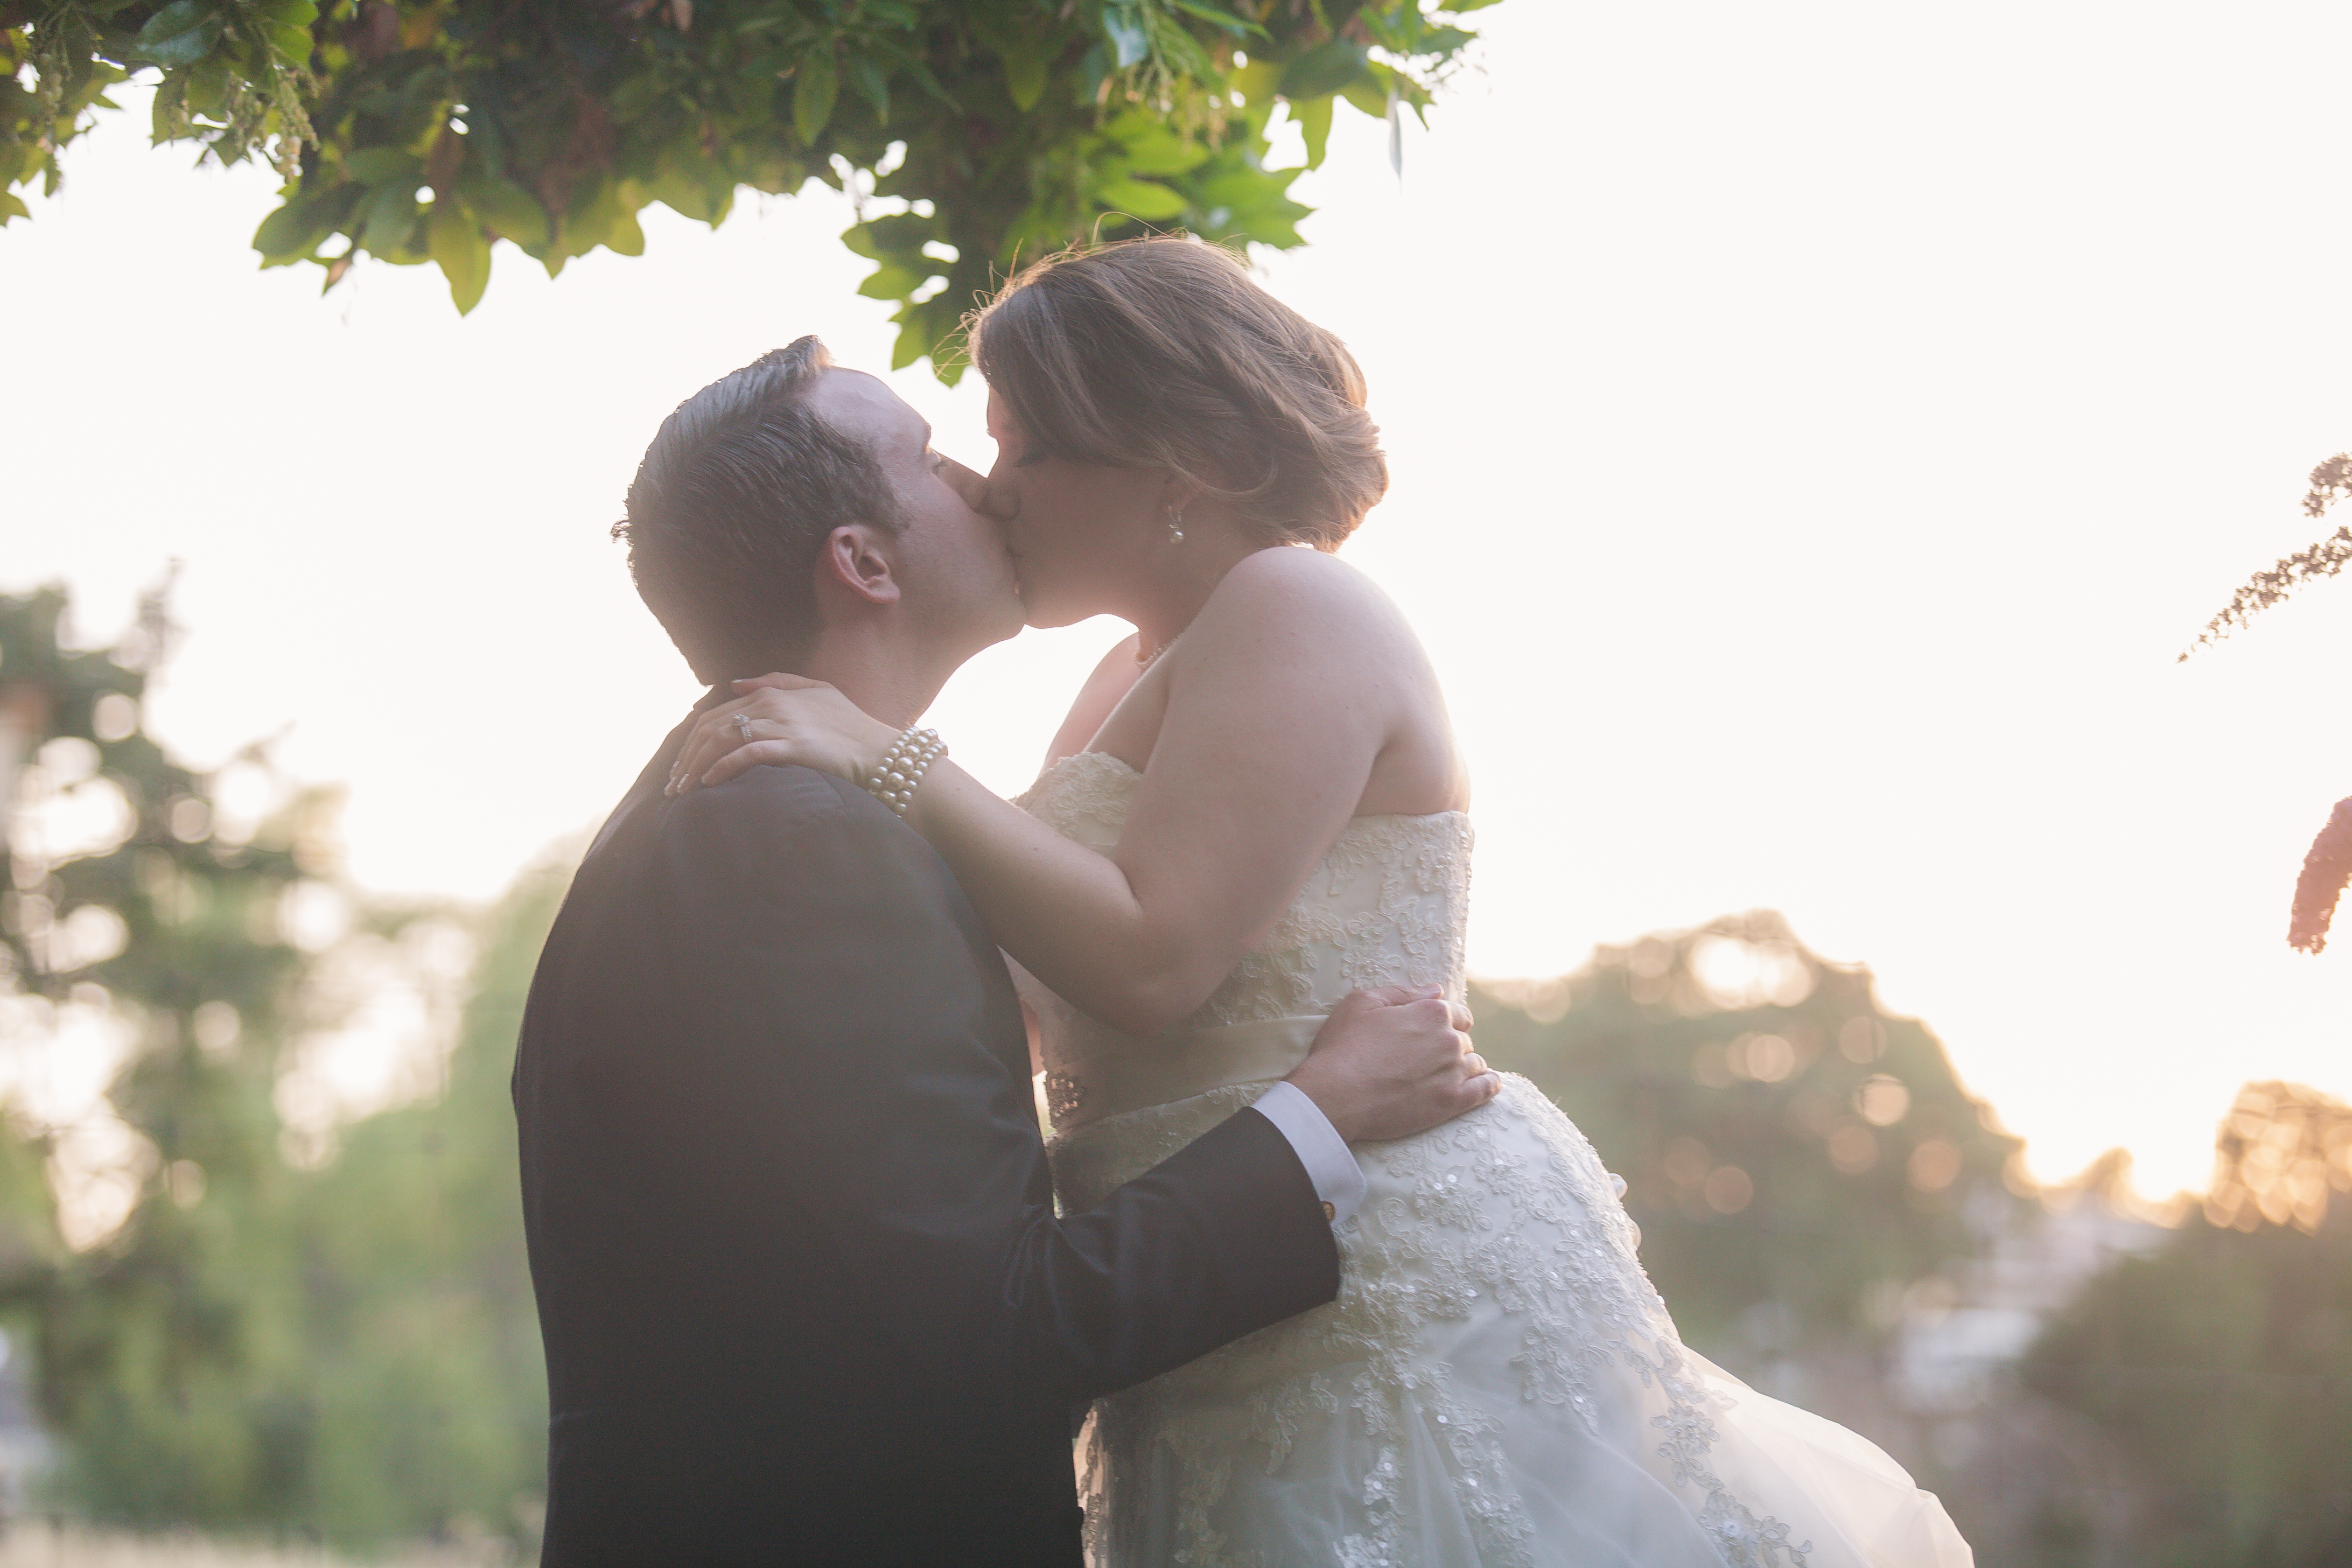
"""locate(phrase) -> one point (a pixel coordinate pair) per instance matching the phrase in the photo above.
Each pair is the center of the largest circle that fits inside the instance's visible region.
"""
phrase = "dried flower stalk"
(2330, 482)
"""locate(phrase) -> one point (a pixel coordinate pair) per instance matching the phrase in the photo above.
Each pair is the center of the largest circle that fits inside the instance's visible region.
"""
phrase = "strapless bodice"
(1385, 905)
(1497, 1385)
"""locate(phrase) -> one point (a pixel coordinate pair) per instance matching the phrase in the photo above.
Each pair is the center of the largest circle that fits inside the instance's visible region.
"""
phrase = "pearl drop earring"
(1175, 526)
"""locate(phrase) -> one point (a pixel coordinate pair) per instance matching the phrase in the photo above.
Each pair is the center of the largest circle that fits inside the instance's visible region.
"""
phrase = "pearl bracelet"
(900, 772)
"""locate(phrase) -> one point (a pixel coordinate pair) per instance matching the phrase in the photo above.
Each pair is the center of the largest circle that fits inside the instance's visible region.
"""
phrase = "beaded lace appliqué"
(1507, 1211)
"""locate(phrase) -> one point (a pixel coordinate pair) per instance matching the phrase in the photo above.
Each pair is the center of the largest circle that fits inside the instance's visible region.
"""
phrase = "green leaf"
(207, 84)
(181, 34)
(12, 207)
(165, 114)
(873, 84)
(463, 255)
(625, 235)
(293, 231)
(902, 232)
(389, 217)
(1314, 117)
(683, 181)
(814, 87)
(913, 344)
(1139, 198)
(914, 67)
(609, 218)
(1323, 70)
(509, 211)
(1225, 19)
(1245, 189)
(890, 282)
(1256, 81)
(1152, 148)
(1026, 71)
(1369, 94)
(1179, 51)
(294, 42)
(385, 166)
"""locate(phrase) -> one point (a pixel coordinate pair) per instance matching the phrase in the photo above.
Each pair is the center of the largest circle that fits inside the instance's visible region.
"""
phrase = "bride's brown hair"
(1163, 353)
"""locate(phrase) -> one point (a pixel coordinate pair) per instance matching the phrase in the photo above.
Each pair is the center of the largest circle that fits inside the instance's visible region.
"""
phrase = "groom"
(805, 1295)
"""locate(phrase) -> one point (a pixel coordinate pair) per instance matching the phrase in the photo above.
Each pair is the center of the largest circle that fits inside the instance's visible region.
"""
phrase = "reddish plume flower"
(2325, 870)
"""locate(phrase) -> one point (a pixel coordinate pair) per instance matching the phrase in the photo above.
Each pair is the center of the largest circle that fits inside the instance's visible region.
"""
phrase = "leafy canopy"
(993, 130)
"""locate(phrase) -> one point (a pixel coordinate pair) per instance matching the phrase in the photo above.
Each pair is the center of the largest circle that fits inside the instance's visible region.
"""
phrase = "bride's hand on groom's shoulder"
(781, 721)
(1394, 1061)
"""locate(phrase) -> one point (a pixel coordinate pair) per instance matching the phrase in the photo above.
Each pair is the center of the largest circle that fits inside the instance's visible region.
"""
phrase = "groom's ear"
(857, 560)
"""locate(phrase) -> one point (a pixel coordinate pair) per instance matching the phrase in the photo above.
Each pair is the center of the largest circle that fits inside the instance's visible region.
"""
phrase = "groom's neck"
(883, 676)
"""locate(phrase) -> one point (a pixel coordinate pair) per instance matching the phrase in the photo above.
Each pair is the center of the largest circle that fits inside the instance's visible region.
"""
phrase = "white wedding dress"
(1498, 1384)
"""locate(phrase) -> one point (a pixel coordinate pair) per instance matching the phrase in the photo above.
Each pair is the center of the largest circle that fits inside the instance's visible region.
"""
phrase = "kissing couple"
(1324, 1290)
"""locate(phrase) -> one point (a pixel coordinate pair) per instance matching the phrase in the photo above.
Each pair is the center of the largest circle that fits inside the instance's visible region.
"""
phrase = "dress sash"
(1177, 1067)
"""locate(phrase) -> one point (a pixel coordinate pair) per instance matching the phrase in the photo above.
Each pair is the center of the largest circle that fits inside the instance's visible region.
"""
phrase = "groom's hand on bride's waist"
(1395, 1061)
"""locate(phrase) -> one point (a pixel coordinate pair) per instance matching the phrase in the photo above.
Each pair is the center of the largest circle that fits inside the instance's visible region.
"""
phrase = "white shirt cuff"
(1330, 1164)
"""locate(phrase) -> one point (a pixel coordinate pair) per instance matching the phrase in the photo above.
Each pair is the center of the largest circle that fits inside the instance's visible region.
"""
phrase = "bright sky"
(1815, 429)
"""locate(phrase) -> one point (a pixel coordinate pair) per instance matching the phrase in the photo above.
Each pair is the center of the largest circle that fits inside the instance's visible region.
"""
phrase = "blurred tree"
(348, 1352)
(1794, 1155)
(2279, 1153)
(429, 130)
(161, 1353)
(428, 1399)
(2221, 1366)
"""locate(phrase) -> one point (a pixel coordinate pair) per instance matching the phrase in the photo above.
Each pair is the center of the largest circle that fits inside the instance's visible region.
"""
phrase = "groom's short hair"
(738, 493)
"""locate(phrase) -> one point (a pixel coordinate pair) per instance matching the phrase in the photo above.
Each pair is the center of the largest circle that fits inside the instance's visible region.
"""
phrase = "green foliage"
(349, 1351)
(1000, 130)
(368, 1369)
(427, 1406)
(1791, 1152)
(2221, 1367)
(166, 1342)
(197, 912)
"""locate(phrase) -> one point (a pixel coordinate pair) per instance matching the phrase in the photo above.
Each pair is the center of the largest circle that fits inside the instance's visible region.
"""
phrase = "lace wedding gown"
(1498, 1384)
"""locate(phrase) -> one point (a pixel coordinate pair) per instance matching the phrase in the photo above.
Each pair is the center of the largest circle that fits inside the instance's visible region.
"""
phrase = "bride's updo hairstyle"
(1163, 353)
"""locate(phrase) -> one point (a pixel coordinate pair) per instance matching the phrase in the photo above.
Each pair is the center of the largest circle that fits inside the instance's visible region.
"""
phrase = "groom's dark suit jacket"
(804, 1296)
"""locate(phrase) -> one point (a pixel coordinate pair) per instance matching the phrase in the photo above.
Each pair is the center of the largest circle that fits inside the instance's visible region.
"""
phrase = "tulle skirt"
(1497, 1386)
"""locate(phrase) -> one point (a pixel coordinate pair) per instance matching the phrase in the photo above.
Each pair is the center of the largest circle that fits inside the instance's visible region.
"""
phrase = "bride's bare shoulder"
(1308, 589)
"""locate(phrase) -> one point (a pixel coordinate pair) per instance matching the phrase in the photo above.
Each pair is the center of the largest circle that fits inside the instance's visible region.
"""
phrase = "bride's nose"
(997, 499)
(972, 488)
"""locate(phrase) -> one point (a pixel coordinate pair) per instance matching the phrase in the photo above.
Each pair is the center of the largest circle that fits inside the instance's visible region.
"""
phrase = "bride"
(1254, 807)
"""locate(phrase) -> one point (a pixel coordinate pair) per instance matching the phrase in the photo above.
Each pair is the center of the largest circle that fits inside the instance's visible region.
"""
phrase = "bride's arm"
(1283, 695)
